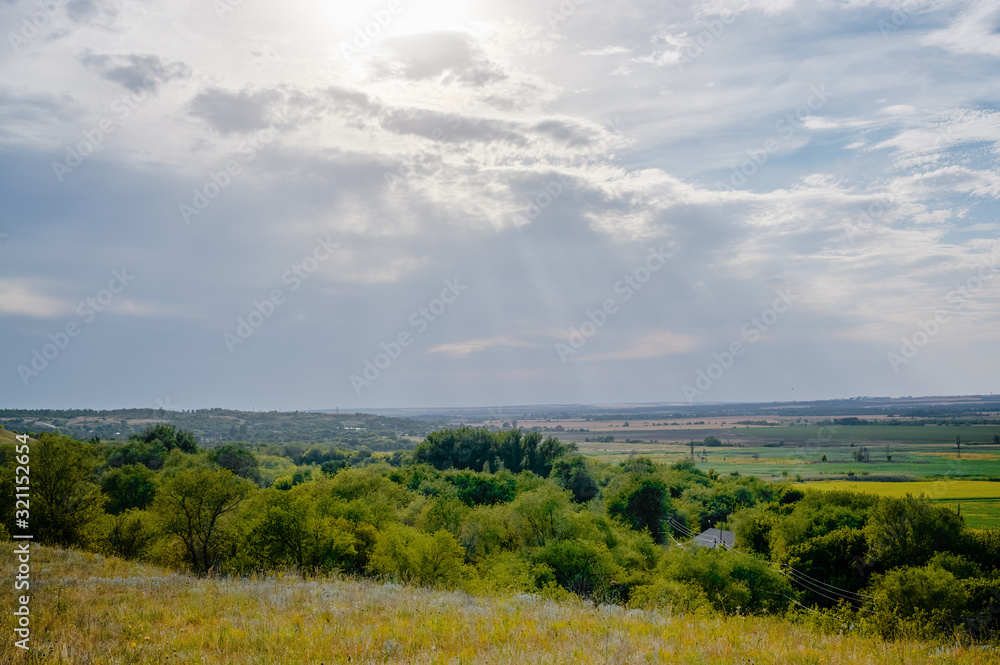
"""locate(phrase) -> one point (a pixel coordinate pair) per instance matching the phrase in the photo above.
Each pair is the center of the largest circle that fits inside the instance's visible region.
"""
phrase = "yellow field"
(98, 611)
(944, 489)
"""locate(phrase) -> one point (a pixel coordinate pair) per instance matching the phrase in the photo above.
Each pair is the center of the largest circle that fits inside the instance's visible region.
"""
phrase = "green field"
(770, 452)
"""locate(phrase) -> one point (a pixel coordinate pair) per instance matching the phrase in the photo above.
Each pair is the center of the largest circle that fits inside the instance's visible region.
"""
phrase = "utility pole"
(958, 445)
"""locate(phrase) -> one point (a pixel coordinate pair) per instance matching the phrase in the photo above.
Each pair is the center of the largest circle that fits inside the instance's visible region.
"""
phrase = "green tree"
(643, 502)
(908, 531)
(193, 505)
(837, 558)
(169, 436)
(572, 474)
(927, 598)
(127, 487)
(240, 461)
(64, 498)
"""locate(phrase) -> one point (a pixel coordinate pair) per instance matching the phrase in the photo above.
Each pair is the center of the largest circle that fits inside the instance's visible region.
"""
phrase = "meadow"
(94, 610)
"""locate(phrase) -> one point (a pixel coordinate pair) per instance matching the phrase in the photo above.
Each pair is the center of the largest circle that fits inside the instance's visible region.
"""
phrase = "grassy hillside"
(95, 610)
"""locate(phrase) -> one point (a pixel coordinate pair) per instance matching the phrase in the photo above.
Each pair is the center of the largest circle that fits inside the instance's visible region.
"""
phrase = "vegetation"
(486, 512)
(95, 609)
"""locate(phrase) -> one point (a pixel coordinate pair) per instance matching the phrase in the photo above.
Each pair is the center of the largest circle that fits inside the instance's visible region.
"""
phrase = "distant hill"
(215, 426)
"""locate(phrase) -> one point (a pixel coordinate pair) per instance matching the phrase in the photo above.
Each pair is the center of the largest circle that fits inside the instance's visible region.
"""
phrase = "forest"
(511, 512)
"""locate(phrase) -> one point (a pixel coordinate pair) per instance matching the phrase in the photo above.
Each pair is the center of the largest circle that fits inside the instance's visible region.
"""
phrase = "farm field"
(916, 452)
(91, 609)
(979, 500)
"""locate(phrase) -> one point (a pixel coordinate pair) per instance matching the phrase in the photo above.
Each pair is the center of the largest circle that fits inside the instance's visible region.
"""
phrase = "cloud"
(974, 31)
(236, 112)
(448, 57)
(653, 344)
(134, 71)
(476, 345)
(607, 50)
(19, 297)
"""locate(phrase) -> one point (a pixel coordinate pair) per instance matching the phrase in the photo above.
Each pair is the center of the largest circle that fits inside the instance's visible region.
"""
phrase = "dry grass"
(88, 609)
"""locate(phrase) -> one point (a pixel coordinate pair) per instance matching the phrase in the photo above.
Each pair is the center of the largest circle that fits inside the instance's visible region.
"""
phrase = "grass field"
(920, 452)
(979, 500)
(95, 611)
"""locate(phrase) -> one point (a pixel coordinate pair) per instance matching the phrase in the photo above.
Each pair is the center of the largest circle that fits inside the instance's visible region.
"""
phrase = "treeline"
(908, 422)
(212, 426)
(507, 511)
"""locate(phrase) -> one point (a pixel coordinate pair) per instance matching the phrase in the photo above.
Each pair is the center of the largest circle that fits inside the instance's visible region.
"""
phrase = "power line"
(797, 577)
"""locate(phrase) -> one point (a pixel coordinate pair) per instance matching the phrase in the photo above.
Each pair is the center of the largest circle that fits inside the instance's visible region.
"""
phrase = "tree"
(642, 503)
(908, 531)
(837, 558)
(241, 462)
(64, 499)
(193, 505)
(169, 436)
(571, 473)
(127, 487)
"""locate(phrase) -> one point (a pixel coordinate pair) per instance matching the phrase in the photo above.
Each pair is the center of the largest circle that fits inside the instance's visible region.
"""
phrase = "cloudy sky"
(433, 202)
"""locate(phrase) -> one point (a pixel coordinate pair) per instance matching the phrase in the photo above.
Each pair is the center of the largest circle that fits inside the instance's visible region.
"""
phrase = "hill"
(214, 426)
(91, 609)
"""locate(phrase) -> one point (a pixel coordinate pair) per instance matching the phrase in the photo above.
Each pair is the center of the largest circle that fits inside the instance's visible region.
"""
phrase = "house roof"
(714, 537)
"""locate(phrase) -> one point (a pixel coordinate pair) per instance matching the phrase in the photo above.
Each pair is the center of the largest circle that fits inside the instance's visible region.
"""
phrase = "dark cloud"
(570, 134)
(135, 71)
(451, 127)
(227, 112)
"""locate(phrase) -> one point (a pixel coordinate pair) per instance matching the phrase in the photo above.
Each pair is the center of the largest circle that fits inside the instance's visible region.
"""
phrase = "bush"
(584, 567)
(915, 601)
(405, 554)
(669, 595)
(734, 583)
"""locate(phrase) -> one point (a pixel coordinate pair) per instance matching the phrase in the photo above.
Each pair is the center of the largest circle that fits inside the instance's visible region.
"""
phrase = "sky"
(420, 203)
